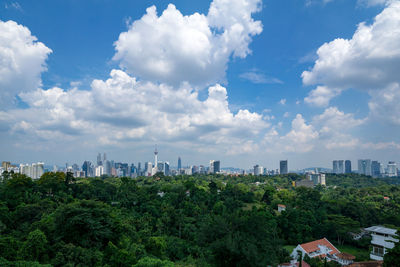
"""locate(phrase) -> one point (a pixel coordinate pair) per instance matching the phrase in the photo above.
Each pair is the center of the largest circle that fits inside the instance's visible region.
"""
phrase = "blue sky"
(224, 85)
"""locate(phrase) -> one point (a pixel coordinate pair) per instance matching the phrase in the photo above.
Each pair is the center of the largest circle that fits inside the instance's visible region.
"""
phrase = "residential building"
(305, 183)
(283, 167)
(391, 169)
(316, 178)
(364, 166)
(347, 166)
(322, 249)
(338, 166)
(5, 165)
(382, 239)
(99, 170)
(281, 208)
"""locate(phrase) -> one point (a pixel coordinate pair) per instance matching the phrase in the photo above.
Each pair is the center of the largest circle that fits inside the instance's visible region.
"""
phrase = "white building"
(316, 178)
(391, 169)
(99, 171)
(35, 170)
(258, 170)
(382, 239)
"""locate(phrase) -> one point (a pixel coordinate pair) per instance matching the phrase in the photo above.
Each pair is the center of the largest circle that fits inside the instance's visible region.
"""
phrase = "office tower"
(283, 167)
(215, 166)
(104, 157)
(160, 167)
(391, 169)
(166, 168)
(258, 170)
(179, 164)
(347, 166)
(341, 166)
(86, 168)
(99, 162)
(375, 169)
(139, 169)
(195, 169)
(364, 166)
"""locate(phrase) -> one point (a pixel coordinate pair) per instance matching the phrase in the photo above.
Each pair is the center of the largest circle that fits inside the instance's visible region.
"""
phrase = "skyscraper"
(179, 163)
(166, 168)
(347, 166)
(364, 166)
(283, 167)
(258, 170)
(99, 162)
(375, 169)
(338, 166)
(335, 166)
(215, 166)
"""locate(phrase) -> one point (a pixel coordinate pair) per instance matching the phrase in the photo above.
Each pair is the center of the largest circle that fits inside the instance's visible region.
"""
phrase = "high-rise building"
(391, 169)
(215, 166)
(104, 157)
(86, 168)
(99, 162)
(338, 166)
(148, 167)
(99, 171)
(364, 166)
(347, 166)
(283, 167)
(335, 166)
(166, 168)
(179, 164)
(5, 165)
(375, 169)
(258, 170)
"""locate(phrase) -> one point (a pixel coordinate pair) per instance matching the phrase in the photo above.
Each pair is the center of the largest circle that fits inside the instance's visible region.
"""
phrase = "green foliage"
(202, 220)
(391, 259)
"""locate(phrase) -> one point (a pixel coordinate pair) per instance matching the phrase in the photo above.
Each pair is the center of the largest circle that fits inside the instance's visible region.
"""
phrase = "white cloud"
(370, 3)
(258, 78)
(122, 110)
(172, 48)
(22, 60)
(370, 60)
(286, 114)
(384, 104)
(282, 101)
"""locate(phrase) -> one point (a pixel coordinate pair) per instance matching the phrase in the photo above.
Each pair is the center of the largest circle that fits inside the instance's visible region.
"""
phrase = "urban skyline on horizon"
(248, 82)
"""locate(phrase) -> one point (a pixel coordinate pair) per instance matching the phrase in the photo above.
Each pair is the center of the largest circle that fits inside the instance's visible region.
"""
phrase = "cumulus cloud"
(22, 60)
(122, 109)
(384, 104)
(370, 60)
(172, 48)
(370, 3)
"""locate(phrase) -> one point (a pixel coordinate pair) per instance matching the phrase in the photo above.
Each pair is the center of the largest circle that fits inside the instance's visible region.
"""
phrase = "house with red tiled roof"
(322, 248)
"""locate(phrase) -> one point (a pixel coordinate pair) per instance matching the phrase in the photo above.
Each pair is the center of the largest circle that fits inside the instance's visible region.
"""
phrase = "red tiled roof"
(313, 246)
(367, 264)
(345, 256)
(281, 205)
(304, 264)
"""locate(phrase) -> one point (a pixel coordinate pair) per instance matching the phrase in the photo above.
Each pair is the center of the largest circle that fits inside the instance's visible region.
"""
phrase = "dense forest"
(204, 220)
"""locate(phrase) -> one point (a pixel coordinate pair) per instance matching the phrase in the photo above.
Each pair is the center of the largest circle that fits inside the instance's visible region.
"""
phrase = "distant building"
(215, 166)
(166, 168)
(364, 166)
(375, 169)
(148, 169)
(179, 164)
(382, 239)
(35, 170)
(99, 162)
(5, 165)
(316, 178)
(283, 167)
(99, 171)
(258, 170)
(391, 169)
(347, 166)
(338, 166)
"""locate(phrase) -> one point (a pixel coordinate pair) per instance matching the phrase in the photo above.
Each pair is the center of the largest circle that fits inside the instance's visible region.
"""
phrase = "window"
(378, 251)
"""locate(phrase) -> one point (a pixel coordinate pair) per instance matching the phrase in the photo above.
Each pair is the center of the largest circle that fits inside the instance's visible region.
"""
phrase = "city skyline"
(245, 82)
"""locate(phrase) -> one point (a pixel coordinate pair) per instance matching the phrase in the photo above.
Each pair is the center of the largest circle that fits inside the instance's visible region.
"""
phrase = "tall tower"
(155, 160)
(179, 163)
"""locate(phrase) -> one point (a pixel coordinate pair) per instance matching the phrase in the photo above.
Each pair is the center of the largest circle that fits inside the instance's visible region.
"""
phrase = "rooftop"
(313, 246)
(381, 229)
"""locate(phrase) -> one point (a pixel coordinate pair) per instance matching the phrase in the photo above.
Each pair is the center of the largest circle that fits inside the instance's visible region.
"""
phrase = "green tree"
(35, 246)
